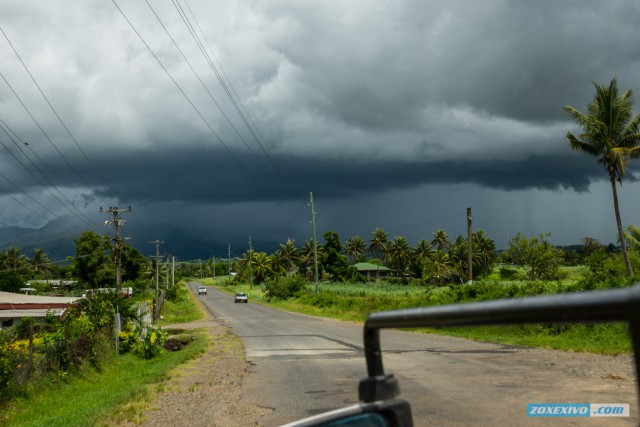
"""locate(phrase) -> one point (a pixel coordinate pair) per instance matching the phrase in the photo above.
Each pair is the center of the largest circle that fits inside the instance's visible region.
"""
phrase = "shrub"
(284, 287)
(151, 344)
(508, 273)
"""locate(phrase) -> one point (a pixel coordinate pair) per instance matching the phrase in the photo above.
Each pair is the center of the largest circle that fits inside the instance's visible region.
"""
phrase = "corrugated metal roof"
(11, 298)
(14, 314)
(367, 266)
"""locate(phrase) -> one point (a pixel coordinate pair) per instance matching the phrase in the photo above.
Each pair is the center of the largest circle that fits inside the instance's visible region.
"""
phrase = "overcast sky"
(395, 114)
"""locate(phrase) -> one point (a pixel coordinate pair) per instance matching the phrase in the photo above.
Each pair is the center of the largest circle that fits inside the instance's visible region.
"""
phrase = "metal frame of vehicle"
(379, 391)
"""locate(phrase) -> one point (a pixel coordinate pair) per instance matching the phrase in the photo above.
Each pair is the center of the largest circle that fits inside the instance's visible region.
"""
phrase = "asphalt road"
(302, 365)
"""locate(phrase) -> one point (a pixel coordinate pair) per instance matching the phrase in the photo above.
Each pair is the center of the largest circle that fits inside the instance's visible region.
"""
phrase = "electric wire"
(190, 102)
(215, 101)
(20, 190)
(66, 128)
(202, 83)
(91, 164)
(258, 136)
(41, 215)
(44, 132)
(242, 115)
(278, 177)
(242, 112)
(69, 204)
(430, 221)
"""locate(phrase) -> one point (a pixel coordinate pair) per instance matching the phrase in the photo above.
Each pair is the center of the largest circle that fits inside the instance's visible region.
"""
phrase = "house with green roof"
(373, 271)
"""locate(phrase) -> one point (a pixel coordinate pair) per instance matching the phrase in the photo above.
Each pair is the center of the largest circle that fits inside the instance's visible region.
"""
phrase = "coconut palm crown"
(610, 133)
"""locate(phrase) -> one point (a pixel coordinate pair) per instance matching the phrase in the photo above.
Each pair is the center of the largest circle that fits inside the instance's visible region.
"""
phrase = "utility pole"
(214, 267)
(117, 223)
(250, 259)
(315, 242)
(157, 257)
(173, 271)
(229, 263)
(470, 248)
(167, 278)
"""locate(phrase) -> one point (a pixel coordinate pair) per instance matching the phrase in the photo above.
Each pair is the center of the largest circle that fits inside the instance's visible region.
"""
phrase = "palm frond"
(582, 146)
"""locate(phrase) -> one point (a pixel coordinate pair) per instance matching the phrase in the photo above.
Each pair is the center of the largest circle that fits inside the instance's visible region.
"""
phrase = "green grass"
(604, 338)
(119, 390)
(354, 302)
(185, 310)
(94, 395)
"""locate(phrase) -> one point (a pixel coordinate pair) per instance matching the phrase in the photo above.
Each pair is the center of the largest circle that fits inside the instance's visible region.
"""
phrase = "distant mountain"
(11, 232)
(57, 237)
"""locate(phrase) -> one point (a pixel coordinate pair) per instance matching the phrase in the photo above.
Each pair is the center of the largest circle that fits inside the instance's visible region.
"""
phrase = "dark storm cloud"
(349, 98)
(211, 175)
(512, 59)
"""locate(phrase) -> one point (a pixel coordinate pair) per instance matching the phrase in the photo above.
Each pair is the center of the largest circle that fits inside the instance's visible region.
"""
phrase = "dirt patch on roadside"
(205, 391)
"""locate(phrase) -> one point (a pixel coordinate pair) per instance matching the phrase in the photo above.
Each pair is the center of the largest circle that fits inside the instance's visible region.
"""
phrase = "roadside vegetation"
(530, 266)
(113, 386)
(46, 363)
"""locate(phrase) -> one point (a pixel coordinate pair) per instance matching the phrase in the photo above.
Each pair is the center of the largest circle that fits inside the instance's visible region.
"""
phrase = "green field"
(354, 302)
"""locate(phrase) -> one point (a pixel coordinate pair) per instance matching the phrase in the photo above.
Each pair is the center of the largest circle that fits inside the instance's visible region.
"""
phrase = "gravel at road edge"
(206, 391)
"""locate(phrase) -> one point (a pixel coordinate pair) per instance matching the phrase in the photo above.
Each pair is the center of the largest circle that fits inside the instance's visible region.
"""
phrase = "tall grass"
(184, 309)
(87, 398)
(354, 302)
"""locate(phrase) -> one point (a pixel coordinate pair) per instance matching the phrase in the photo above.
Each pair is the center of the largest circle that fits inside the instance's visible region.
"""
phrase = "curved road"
(302, 365)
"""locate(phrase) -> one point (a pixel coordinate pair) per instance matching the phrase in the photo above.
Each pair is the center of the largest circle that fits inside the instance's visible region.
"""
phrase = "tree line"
(438, 259)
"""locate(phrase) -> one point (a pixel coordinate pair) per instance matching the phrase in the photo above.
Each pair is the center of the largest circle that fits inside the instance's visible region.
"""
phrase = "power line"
(193, 106)
(91, 164)
(278, 178)
(430, 221)
(68, 203)
(66, 128)
(20, 190)
(43, 131)
(243, 115)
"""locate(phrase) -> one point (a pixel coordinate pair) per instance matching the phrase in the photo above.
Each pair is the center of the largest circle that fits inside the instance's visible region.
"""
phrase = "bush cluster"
(33, 351)
(284, 287)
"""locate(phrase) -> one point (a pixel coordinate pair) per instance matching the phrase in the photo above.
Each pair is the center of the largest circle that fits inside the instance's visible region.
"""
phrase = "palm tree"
(442, 268)
(378, 243)
(40, 262)
(420, 255)
(590, 244)
(261, 266)
(278, 262)
(289, 254)
(398, 253)
(306, 258)
(440, 240)
(355, 247)
(459, 255)
(14, 260)
(484, 253)
(610, 133)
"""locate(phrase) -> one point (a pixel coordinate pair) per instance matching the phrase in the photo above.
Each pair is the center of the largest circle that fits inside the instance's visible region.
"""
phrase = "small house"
(372, 271)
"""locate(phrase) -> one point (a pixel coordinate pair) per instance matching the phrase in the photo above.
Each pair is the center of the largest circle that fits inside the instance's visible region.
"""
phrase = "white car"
(202, 290)
(241, 297)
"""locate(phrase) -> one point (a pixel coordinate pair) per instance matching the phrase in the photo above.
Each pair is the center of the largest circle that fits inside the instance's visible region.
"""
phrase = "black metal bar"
(580, 307)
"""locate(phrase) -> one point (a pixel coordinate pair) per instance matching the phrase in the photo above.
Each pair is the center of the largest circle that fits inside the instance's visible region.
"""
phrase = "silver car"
(241, 297)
